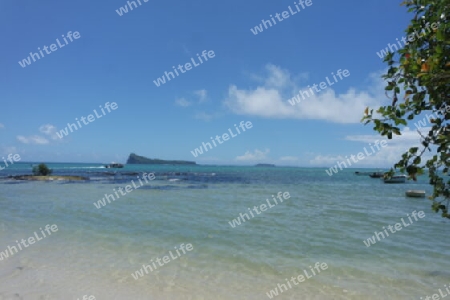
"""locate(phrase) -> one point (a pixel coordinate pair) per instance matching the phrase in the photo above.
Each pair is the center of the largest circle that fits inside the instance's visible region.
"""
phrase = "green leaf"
(413, 150)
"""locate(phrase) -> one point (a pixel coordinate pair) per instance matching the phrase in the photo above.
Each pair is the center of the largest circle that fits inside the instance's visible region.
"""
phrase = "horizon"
(197, 164)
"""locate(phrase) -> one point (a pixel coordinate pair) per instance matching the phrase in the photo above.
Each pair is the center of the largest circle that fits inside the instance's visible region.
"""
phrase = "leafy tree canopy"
(41, 170)
(418, 81)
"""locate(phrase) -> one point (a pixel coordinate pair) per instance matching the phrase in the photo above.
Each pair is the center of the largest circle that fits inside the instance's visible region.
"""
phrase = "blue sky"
(251, 77)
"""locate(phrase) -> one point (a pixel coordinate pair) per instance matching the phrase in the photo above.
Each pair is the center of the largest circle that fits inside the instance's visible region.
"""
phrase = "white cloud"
(49, 130)
(2, 126)
(256, 155)
(34, 139)
(271, 99)
(278, 78)
(182, 102)
(261, 102)
(202, 95)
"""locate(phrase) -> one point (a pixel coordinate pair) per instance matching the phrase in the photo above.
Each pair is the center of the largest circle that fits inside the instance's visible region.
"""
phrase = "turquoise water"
(326, 219)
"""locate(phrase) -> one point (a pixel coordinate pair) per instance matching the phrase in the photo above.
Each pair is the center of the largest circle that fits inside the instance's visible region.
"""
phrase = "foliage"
(41, 170)
(419, 75)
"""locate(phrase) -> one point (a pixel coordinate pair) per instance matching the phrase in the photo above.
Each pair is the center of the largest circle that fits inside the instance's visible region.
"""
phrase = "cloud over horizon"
(386, 156)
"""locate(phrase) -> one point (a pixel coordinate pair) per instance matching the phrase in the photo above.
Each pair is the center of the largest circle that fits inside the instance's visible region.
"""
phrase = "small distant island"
(136, 159)
(264, 165)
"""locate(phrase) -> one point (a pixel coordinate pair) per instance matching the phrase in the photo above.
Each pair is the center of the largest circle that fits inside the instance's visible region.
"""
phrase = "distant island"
(136, 159)
(264, 165)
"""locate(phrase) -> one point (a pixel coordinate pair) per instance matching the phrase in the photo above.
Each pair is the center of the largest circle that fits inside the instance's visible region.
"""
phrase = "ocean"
(326, 220)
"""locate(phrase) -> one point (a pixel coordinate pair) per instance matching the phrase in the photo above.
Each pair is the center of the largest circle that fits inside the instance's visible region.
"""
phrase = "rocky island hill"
(136, 159)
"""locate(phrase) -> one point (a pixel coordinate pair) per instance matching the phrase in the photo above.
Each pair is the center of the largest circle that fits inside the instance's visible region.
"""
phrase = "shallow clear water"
(326, 219)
